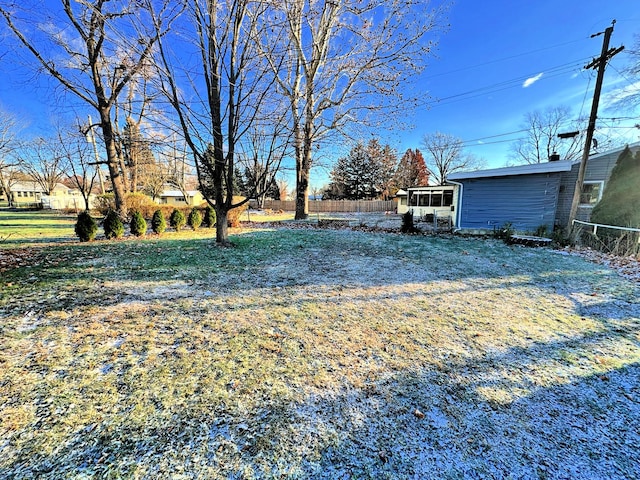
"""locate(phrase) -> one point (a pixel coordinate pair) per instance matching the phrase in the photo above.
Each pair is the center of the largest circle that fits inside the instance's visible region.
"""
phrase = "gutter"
(459, 207)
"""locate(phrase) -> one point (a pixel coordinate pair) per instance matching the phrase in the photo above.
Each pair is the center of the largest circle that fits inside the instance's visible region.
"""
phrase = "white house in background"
(26, 192)
(29, 193)
(65, 198)
(176, 197)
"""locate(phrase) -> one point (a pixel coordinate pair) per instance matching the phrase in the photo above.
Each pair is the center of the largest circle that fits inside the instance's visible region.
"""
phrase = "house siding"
(598, 170)
(525, 201)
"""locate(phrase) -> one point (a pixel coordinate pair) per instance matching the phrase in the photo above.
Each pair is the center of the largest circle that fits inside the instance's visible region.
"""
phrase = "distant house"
(529, 196)
(29, 193)
(66, 198)
(26, 192)
(178, 198)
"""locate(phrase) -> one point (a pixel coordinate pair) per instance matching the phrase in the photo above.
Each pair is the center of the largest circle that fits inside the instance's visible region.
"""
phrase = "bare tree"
(174, 168)
(8, 147)
(43, 161)
(347, 62)
(445, 156)
(93, 49)
(283, 188)
(630, 96)
(135, 142)
(262, 155)
(79, 167)
(541, 140)
(223, 37)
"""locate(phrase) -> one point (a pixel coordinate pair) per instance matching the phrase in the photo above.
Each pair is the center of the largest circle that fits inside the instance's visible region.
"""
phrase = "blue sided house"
(529, 196)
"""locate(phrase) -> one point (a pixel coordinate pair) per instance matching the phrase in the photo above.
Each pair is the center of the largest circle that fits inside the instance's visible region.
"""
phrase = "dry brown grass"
(316, 354)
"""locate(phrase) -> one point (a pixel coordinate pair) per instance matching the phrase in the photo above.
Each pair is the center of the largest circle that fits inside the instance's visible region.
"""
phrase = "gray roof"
(633, 146)
(546, 167)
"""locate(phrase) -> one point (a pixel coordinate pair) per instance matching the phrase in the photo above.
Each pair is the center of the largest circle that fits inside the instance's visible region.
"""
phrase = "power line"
(504, 85)
(510, 57)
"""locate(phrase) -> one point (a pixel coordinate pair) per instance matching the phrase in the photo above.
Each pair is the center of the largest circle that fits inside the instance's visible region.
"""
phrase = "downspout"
(459, 207)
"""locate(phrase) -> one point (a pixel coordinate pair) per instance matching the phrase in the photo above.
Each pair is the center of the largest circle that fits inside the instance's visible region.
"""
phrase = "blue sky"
(490, 43)
(501, 44)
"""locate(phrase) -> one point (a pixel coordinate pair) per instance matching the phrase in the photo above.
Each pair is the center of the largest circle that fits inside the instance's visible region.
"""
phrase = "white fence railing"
(596, 225)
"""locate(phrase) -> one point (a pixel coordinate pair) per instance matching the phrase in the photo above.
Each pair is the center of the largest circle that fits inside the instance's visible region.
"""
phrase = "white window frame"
(593, 182)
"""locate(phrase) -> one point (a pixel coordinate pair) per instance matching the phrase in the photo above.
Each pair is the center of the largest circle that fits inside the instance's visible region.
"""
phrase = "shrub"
(113, 226)
(195, 218)
(407, 223)
(158, 223)
(139, 202)
(504, 232)
(621, 197)
(559, 238)
(138, 224)
(177, 220)
(86, 227)
(209, 217)
(541, 231)
(233, 217)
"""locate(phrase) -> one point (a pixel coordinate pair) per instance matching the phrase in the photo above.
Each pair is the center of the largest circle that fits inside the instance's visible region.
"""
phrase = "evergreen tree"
(138, 225)
(158, 223)
(113, 226)
(195, 219)
(177, 220)
(620, 203)
(365, 173)
(86, 227)
(209, 217)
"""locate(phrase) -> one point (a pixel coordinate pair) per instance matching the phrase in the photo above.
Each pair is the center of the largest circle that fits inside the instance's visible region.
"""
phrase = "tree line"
(256, 80)
(237, 83)
(149, 165)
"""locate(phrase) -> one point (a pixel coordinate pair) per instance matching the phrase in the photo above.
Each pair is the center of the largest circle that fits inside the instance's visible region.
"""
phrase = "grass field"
(315, 354)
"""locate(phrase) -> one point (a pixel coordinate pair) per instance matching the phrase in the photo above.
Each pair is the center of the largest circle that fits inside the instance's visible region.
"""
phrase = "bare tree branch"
(446, 156)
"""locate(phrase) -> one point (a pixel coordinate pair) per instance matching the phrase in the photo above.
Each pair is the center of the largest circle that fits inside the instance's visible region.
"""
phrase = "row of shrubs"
(87, 227)
(139, 202)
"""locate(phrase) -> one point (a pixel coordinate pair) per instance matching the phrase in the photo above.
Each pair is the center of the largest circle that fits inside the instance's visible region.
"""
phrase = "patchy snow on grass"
(317, 354)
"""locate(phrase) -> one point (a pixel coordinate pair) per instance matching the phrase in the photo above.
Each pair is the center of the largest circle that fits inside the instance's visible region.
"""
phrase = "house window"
(436, 199)
(591, 193)
(19, 194)
(423, 200)
(413, 200)
(447, 198)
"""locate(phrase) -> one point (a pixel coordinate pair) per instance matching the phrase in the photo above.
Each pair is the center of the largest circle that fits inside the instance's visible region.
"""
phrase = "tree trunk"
(302, 195)
(222, 225)
(86, 202)
(112, 161)
(304, 144)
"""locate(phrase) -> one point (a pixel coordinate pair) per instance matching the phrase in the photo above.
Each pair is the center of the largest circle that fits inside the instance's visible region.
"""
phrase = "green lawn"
(314, 354)
(18, 228)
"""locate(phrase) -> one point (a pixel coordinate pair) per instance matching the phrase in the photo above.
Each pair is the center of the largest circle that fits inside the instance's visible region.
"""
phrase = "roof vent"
(554, 157)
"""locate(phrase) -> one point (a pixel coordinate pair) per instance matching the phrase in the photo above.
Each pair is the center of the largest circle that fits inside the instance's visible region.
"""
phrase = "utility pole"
(600, 63)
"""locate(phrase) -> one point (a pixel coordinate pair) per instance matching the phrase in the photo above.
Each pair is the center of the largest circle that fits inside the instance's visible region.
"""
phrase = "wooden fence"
(332, 206)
